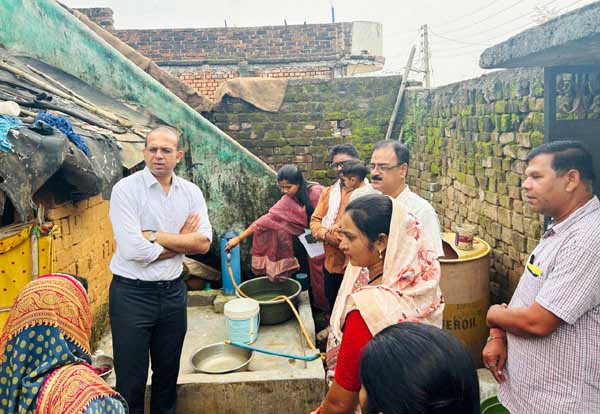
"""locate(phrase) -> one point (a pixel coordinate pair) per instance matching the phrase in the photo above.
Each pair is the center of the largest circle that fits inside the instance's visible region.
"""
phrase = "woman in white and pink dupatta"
(272, 243)
(392, 277)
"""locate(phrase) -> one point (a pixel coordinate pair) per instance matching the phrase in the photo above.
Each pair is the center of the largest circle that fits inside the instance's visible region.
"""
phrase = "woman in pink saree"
(272, 245)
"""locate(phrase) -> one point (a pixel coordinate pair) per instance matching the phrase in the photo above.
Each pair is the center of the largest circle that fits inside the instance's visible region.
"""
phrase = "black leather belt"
(160, 284)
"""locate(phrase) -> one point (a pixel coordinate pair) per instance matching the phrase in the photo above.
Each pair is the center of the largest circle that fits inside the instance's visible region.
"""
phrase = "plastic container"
(465, 283)
(464, 235)
(242, 317)
(228, 287)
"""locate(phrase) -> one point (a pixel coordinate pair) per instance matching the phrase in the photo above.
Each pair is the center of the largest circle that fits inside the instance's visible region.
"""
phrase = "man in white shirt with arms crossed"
(156, 217)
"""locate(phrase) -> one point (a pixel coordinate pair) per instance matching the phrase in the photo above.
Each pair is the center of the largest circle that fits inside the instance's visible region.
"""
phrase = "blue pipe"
(279, 354)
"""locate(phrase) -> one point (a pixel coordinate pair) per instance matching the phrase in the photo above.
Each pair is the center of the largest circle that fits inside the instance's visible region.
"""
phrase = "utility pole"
(332, 12)
(426, 56)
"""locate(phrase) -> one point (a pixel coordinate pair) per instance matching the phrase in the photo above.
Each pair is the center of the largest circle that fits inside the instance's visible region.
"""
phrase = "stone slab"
(570, 39)
(269, 381)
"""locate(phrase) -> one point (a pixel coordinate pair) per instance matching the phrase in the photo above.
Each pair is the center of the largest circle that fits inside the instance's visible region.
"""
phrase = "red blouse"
(356, 336)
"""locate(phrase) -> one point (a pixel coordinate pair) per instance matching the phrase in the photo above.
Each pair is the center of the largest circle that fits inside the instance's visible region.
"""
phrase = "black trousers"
(332, 282)
(148, 318)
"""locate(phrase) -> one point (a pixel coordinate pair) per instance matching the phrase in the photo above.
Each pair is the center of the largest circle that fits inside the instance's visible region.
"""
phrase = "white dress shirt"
(426, 215)
(138, 203)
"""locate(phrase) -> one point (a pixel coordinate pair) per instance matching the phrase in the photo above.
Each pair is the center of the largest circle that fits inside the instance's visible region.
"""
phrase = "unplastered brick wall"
(205, 82)
(311, 41)
(84, 246)
(206, 58)
(316, 114)
(208, 80)
(102, 16)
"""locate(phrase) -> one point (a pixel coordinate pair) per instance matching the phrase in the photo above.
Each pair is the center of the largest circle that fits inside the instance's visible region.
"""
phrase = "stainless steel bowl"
(99, 360)
(220, 358)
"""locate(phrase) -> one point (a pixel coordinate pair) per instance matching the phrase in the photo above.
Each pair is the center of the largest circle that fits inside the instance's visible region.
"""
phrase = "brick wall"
(84, 247)
(102, 16)
(310, 41)
(205, 82)
(205, 58)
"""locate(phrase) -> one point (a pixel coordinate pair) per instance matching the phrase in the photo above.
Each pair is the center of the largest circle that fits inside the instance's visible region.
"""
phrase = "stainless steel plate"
(220, 358)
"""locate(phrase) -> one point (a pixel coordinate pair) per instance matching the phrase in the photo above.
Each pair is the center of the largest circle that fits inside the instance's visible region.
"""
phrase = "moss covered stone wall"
(316, 114)
(469, 142)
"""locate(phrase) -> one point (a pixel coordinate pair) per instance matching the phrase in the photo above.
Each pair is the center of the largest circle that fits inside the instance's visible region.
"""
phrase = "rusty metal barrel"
(465, 283)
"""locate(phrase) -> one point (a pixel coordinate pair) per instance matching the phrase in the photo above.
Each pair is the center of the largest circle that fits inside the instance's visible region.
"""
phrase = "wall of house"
(84, 246)
(313, 41)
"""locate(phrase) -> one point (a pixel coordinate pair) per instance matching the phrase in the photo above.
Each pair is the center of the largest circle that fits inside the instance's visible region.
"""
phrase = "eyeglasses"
(382, 167)
(338, 165)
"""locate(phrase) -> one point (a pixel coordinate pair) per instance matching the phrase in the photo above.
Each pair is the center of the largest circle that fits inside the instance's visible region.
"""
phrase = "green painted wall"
(237, 185)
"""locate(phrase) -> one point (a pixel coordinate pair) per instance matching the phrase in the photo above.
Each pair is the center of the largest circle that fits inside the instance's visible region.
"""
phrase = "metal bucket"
(262, 290)
(220, 358)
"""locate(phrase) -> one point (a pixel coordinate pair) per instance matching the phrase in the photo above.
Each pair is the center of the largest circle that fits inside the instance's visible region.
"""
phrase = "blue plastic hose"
(279, 354)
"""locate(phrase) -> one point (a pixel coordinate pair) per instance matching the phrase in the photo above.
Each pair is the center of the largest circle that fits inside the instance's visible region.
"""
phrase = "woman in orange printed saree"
(45, 353)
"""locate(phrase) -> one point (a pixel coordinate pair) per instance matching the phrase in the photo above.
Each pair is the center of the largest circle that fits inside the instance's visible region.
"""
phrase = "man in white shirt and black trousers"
(389, 167)
(156, 217)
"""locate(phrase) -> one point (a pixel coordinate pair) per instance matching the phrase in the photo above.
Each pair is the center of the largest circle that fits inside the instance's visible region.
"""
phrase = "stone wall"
(469, 142)
(84, 246)
(316, 114)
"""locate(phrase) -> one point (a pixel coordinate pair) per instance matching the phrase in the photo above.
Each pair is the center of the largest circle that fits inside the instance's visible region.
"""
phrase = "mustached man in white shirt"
(156, 217)
(389, 166)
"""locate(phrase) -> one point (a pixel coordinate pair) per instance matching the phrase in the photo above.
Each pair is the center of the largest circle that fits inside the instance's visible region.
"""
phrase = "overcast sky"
(459, 29)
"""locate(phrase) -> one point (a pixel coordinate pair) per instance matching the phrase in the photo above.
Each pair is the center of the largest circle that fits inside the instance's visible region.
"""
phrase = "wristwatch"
(152, 237)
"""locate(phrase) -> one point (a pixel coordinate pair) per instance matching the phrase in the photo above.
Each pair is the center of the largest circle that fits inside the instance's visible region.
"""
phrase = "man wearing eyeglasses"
(324, 223)
(389, 166)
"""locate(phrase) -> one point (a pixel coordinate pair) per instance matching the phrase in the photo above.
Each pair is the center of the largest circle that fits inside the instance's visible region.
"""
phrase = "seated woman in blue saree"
(45, 353)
